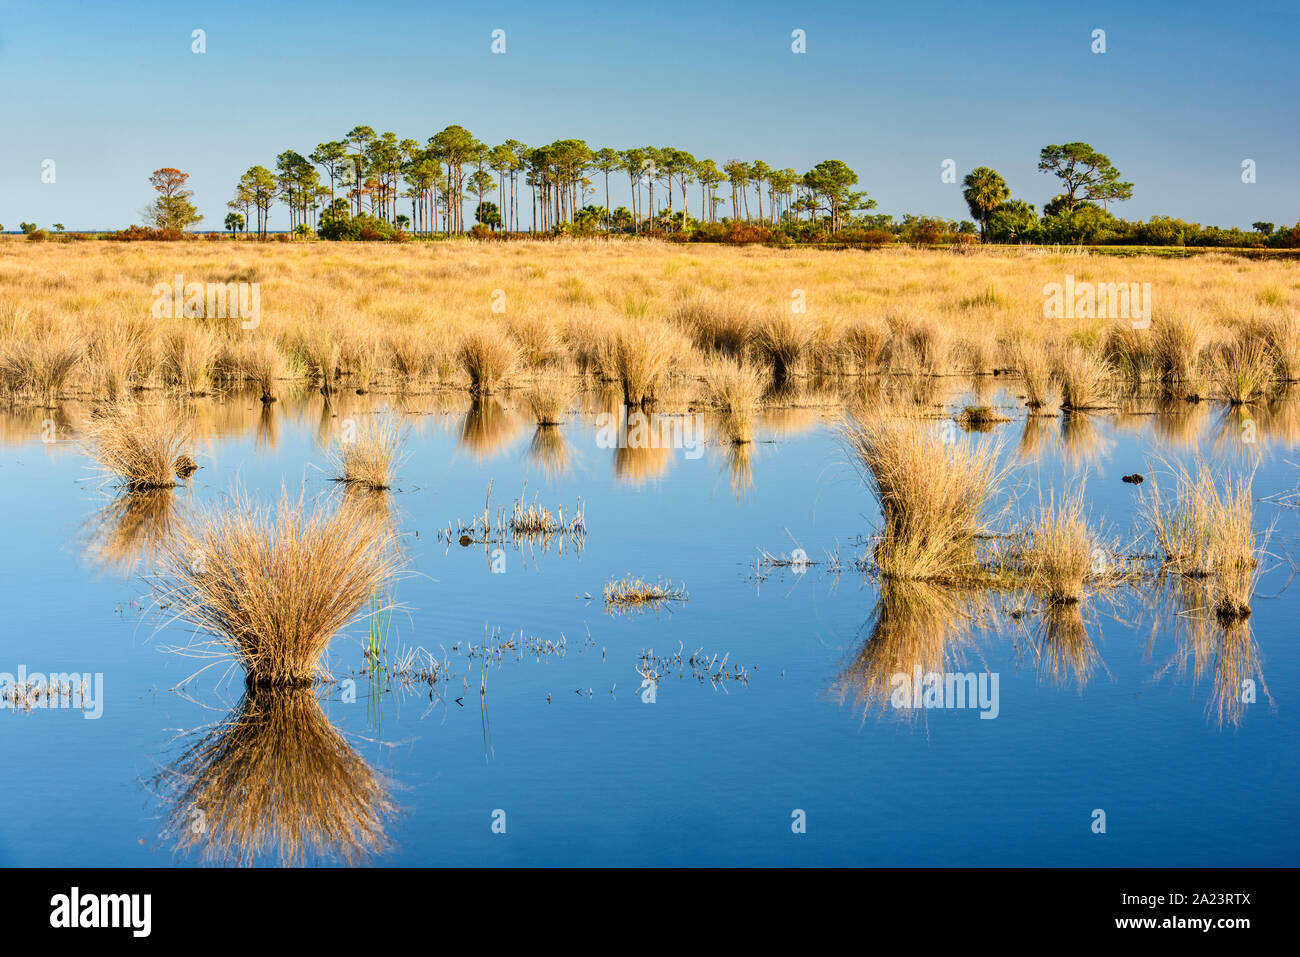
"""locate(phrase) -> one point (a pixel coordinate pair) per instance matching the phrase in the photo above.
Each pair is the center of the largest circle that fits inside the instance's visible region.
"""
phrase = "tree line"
(425, 188)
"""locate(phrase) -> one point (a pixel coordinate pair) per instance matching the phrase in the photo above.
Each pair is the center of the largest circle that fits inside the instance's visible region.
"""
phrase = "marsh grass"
(1178, 342)
(1033, 363)
(1204, 532)
(142, 448)
(1059, 554)
(781, 341)
(735, 391)
(641, 358)
(538, 521)
(548, 400)
(369, 457)
(1242, 371)
(272, 586)
(1083, 378)
(41, 365)
(935, 496)
(488, 358)
(638, 594)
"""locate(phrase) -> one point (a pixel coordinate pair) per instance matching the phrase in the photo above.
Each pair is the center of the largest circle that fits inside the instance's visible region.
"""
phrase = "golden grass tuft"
(488, 357)
(1178, 342)
(935, 496)
(780, 341)
(273, 586)
(1033, 364)
(736, 391)
(1242, 371)
(41, 365)
(1059, 555)
(1205, 532)
(715, 326)
(1083, 378)
(369, 452)
(548, 400)
(642, 354)
(142, 448)
(637, 594)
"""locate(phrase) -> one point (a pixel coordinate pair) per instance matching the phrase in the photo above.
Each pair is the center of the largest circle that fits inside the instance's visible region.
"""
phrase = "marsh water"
(748, 724)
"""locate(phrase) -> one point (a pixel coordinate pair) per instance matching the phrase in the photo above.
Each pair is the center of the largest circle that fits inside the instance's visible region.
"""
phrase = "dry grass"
(548, 400)
(1178, 342)
(1242, 371)
(637, 594)
(641, 358)
(1204, 532)
(715, 325)
(781, 341)
(1033, 364)
(1083, 378)
(935, 496)
(369, 452)
(1060, 550)
(488, 357)
(735, 391)
(272, 586)
(141, 448)
(641, 313)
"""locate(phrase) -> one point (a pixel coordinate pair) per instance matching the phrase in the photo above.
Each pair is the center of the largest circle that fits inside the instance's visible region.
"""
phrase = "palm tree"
(984, 191)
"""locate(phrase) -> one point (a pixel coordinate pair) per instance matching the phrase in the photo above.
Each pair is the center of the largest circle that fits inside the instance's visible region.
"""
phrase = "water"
(588, 762)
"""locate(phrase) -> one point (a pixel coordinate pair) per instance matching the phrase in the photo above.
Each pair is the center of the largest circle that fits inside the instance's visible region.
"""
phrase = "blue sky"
(1185, 92)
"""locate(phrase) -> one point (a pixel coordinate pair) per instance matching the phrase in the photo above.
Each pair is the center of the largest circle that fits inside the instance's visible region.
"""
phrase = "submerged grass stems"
(637, 594)
(273, 586)
(935, 496)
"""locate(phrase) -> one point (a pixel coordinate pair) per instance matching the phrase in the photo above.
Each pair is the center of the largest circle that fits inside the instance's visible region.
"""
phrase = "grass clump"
(1034, 366)
(548, 400)
(735, 390)
(488, 358)
(142, 449)
(368, 453)
(272, 586)
(781, 341)
(935, 497)
(628, 593)
(1083, 378)
(1242, 371)
(1059, 556)
(1204, 532)
(641, 357)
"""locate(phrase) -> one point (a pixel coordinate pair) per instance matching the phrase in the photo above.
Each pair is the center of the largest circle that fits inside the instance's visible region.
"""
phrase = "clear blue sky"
(1184, 93)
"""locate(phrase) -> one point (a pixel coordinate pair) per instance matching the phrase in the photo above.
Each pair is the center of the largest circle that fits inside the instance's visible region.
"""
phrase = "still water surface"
(1128, 707)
